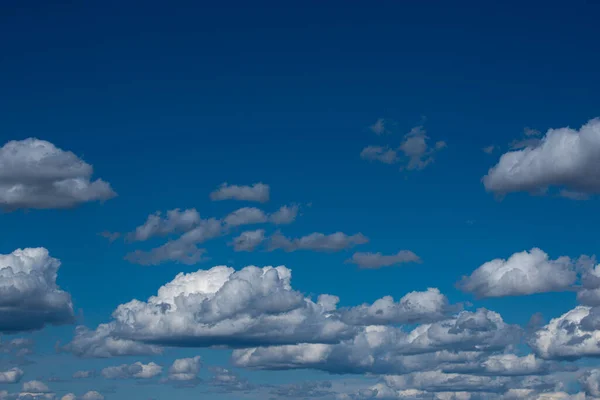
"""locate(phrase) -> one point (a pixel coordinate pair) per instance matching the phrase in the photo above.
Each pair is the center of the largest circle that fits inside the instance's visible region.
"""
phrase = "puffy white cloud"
(573, 335)
(564, 158)
(35, 387)
(175, 221)
(248, 240)
(258, 192)
(246, 216)
(29, 295)
(386, 349)
(36, 174)
(92, 395)
(184, 249)
(100, 343)
(13, 375)
(317, 242)
(378, 260)
(136, 370)
(523, 273)
(185, 369)
(414, 307)
(219, 306)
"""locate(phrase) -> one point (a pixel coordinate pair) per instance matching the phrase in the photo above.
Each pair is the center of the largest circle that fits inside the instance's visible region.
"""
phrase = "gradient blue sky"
(168, 101)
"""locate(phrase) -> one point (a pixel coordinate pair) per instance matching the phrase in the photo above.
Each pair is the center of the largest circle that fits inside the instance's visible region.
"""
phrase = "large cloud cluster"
(29, 295)
(219, 306)
(36, 174)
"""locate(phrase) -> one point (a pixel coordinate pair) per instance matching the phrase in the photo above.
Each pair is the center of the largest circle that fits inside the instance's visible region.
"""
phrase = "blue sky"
(169, 102)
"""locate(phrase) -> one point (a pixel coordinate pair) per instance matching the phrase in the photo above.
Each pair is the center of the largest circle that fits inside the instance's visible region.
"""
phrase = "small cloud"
(380, 127)
(110, 236)
(258, 192)
(489, 149)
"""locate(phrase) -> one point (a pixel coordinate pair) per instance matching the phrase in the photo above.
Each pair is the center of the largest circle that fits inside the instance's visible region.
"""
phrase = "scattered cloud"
(110, 236)
(416, 148)
(489, 149)
(380, 127)
(248, 240)
(415, 151)
(316, 242)
(175, 221)
(36, 174)
(182, 250)
(246, 216)
(285, 215)
(382, 154)
(258, 192)
(378, 260)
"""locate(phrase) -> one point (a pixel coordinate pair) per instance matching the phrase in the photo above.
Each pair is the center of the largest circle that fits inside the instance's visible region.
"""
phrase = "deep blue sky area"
(168, 100)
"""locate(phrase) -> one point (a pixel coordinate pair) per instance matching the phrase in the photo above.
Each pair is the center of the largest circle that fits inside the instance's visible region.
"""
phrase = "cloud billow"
(35, 174)
(29, 295)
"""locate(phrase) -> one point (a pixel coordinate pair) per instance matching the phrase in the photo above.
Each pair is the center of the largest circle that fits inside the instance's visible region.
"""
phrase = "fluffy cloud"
(414, 307)
(136, 370)
(175, 221)
(317, 242)
(522, 274)
(29, 295)
(92, 395)
(378, 260)
(13, 375)
(285, 215)
(590, 382)
(387, 349)
(36, 174)
(219, 306)
(100, 343)
(258, 192)
(573, 335)
(246, 216)
(248, 240)
(184, 249)
(564, 158)
(185, 369)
